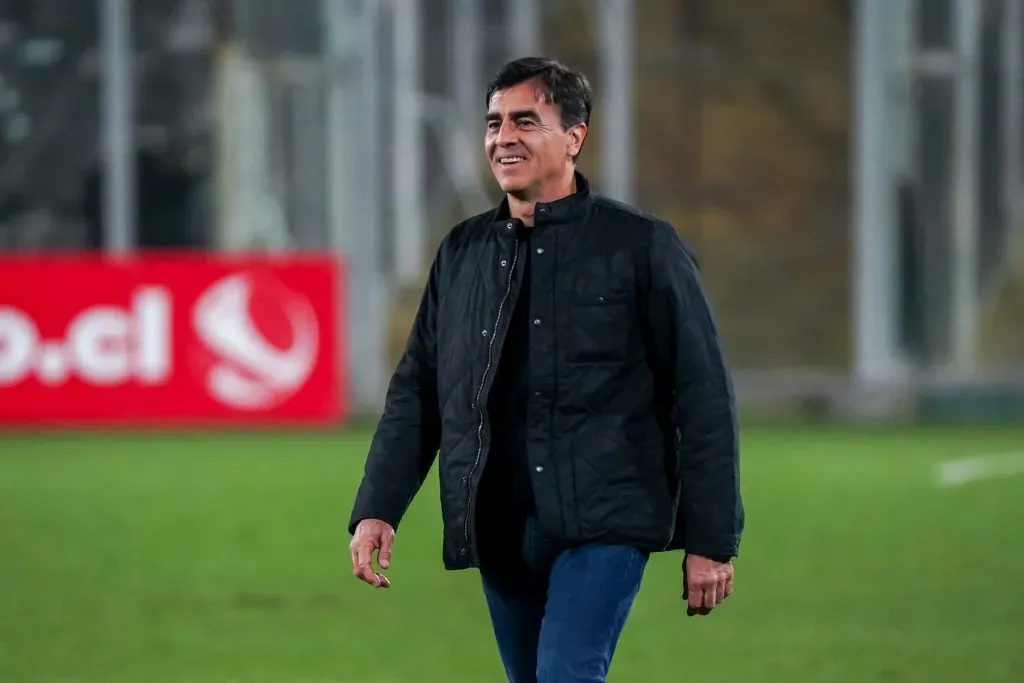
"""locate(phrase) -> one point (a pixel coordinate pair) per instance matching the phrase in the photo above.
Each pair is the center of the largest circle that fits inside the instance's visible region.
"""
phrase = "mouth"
(508, 161)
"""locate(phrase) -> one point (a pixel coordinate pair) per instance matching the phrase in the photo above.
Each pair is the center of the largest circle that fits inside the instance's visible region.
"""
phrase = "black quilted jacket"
(632, 434)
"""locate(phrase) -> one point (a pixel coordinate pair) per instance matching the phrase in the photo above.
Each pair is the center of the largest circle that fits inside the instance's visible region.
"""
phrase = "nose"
(506, 136)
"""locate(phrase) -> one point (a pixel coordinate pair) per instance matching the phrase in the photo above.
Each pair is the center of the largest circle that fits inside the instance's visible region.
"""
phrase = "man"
(565, 363)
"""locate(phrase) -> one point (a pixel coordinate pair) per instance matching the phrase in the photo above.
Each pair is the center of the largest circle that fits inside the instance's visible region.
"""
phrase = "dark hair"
(565, 88)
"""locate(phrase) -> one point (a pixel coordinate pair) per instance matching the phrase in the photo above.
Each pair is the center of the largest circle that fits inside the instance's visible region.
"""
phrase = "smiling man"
(565, 363)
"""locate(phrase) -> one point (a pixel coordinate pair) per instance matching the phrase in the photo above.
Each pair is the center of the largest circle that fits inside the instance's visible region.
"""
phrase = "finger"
(364, 565)
(694, 595)
(697, 603)
(720, 590)
(364, 557)
(369, 576)
(360, 570)
(724, 586)
(384, 554)
(710, 597)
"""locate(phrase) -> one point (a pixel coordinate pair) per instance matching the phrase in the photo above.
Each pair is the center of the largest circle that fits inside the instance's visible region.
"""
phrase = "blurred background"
(850, 174)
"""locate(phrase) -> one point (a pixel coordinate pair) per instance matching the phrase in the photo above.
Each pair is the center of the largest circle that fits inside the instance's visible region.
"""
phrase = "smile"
(508, 161)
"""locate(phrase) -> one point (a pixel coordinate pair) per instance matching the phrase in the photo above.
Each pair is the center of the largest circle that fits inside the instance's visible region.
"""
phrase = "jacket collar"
(569, 209)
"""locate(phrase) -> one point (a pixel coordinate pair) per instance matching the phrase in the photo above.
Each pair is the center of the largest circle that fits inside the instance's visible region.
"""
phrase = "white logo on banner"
(251, 372)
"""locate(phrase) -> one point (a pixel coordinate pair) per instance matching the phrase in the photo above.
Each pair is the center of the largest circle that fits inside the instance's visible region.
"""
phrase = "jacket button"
(540, 468)
(508, 227)
(504, 262)
(483, 333)
(536, 321)
(463, 552)
(540, 250)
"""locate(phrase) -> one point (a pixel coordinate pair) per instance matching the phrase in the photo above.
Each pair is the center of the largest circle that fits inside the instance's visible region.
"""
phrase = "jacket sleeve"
(408, 435)
(689, 356)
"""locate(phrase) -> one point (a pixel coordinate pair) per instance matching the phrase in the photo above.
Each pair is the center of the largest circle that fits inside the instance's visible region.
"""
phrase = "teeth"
(511, 160)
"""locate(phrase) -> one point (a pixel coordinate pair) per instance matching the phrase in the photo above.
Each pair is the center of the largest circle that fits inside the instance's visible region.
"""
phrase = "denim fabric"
(562, 623)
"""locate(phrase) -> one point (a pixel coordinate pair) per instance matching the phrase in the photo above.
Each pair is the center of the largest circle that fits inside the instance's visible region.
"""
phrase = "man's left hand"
(706, 583)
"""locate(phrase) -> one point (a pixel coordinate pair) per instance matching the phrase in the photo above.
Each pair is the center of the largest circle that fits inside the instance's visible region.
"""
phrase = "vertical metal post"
(899, 80)
(307, 188)
(1013, 121)
(407, 163)
(372, 196)
(465, 62)
(343, 206)
(900, 140)
(524, 26)
(874, 259)
(618, 45)
(371, 367)
(964, 252)
(117, 122)
(354, 190)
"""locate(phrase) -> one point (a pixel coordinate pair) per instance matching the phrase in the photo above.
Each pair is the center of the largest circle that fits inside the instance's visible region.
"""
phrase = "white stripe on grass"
(980, 468)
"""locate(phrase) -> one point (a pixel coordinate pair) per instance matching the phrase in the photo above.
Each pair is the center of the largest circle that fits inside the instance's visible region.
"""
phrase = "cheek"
(553, 153)
(551, 149)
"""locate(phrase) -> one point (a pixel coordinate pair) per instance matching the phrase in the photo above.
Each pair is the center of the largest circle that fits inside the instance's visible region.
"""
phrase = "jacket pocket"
(599, 328)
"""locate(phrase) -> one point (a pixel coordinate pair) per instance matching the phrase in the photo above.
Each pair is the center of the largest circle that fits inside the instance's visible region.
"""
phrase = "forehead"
(529, 95)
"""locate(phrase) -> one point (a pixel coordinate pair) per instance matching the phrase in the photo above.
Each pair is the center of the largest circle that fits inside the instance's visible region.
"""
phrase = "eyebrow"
(516, 114)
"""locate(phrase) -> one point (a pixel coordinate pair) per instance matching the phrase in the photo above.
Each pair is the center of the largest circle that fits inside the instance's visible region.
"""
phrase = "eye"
(492, 125)
(525, 123)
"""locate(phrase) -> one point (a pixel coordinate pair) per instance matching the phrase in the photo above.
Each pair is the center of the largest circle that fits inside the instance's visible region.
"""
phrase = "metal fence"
(849, 172)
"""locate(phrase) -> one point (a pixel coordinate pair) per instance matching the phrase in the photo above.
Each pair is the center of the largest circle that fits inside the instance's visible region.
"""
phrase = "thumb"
(384, 554)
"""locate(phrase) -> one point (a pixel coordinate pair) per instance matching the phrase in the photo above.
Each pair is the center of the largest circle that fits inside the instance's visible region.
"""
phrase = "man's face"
(525, 141)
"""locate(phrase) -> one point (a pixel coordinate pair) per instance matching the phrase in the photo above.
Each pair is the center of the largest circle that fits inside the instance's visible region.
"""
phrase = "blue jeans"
(568, 632)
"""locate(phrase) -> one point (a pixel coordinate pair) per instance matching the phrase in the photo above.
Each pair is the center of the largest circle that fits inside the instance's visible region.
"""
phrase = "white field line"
(244, 680)
(980, 468)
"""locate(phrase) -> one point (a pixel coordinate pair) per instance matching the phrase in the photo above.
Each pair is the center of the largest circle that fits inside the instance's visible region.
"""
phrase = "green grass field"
(222, 559)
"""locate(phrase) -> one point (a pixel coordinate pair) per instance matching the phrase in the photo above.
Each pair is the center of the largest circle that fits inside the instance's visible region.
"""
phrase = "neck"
(521, 204)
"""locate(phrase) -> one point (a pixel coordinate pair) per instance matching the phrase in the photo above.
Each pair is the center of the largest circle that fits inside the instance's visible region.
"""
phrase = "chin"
(512, 185)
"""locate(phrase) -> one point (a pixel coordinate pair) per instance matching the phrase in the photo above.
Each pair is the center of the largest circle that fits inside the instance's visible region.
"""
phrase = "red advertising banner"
(183, 340)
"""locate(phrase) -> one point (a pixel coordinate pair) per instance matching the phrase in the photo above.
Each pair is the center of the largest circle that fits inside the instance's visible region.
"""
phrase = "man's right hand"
(371, 535)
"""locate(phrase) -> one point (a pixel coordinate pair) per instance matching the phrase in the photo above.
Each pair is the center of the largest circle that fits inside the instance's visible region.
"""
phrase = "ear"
(577, 135)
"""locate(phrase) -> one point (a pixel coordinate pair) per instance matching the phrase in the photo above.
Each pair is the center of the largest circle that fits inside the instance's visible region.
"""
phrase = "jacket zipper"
(481, 409)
